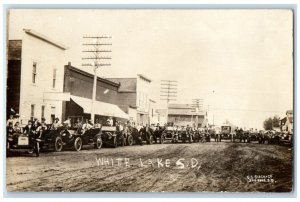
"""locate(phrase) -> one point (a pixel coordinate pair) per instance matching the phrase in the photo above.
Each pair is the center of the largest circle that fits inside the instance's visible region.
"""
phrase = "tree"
(270, 122)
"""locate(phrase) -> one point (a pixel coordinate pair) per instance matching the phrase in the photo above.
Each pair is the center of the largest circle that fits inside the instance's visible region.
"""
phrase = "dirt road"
(232, 167)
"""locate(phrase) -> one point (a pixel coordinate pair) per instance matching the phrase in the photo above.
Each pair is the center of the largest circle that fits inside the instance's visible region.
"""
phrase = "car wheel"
(77, 144)
(129, 140)
(58, 145)
(98, 143)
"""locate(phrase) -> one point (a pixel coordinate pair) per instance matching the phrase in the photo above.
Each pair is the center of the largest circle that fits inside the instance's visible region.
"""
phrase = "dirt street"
(210, 167)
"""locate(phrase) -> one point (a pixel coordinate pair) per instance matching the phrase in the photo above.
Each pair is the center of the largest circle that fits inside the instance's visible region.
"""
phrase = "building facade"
(35, 77)
(79, 84)
(185, 114)
(287, 123)
(134, 98)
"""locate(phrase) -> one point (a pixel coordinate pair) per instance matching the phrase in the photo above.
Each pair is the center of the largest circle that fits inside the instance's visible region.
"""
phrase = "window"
(54, 78)
(43, 112)
(32, 111)
(34, 72)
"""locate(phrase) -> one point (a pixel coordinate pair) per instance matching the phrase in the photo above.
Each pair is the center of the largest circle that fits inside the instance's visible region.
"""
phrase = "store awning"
(100, 108)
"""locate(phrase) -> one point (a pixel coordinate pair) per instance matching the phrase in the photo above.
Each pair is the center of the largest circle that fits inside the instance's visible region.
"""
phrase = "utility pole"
(95, 57)
(168, 92)
(197, 104)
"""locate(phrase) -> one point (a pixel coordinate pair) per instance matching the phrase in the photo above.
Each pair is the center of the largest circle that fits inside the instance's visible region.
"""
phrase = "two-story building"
(185, 114)
(35, 75)
(134, 98)
(79, 84)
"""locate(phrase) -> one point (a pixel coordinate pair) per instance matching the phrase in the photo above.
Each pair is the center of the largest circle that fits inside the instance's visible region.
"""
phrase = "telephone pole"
(168, 92)
(198, 104)
(95, 55)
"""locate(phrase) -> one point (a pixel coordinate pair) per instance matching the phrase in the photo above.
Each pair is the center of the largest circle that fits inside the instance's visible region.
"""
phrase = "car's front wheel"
(77, 144)
(129, 140)
(98, 143)
(58, 145)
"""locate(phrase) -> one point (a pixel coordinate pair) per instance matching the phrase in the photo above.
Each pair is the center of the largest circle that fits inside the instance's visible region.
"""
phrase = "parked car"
(73, 138)
(21, 142)
(168, 135)
(184, 135)
(111, 137)
(146, 133)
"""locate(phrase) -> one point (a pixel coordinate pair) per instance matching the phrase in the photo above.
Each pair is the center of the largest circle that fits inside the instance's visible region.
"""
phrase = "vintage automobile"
(253, 136)
(75, 138)
(21, 142)
(111, 137)
(129, 140)
(146, 134)
(226, 132)
(157, 134)
(184, 135)
(136, 136)
(286, 139)
(168, 135)
(52, 140)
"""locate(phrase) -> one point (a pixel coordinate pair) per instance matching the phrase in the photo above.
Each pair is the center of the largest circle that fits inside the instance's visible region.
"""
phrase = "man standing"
(110, 121)
(10, 120)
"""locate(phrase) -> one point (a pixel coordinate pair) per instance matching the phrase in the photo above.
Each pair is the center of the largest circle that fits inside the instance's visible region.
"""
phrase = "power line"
(252, 110)
(94, 56)
(168, 90)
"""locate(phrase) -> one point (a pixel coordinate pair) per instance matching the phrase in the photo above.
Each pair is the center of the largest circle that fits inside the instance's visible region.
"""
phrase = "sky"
(240, 62)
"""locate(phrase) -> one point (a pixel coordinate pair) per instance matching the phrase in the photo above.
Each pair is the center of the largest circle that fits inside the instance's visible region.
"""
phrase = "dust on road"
(221, 167)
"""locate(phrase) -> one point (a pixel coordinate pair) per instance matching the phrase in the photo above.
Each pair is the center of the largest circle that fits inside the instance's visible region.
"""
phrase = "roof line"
(92, 76)
(45, 38)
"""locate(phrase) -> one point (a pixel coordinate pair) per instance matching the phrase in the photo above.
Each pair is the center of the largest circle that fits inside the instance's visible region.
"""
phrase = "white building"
(35, 77)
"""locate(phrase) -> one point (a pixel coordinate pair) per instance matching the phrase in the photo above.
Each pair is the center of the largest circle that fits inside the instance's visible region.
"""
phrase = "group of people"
(13, 125)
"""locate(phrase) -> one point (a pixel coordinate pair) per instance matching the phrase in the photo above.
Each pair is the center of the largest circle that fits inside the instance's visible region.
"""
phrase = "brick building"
(80, 85)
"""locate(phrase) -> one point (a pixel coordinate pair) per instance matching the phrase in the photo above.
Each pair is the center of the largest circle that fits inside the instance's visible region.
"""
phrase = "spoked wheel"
(58, 144)
(98, 143)
(129, 140)
(77, 144)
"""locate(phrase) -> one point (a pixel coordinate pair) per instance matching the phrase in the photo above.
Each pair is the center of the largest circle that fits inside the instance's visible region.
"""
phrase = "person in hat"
(10, 120)
(10, 129)
(36, 122)
(110, 121)
(56, 124)
(29, 127)
(97, 124)
(17, 128)
(67, 123)
(86, 126)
